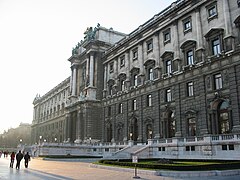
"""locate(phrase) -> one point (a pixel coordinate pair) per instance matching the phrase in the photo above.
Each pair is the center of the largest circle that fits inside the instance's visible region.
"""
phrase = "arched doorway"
(169, 124)
(220, 119)
(149, 131)
(133, 129)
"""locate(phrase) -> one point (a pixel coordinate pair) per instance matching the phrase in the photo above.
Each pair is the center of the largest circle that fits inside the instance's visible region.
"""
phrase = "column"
(127, 61)
(199, 29)
(176, 63)
(87, 72)
(199, 48)
(227, 18)
(105, 80)
(157, 55)
(141, 61)
(176, 40)
(91, 70)
(66, 136)
(74, 80)
(228, 39)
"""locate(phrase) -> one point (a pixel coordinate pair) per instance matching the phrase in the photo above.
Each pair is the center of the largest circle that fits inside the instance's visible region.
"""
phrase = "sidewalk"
(84, 171)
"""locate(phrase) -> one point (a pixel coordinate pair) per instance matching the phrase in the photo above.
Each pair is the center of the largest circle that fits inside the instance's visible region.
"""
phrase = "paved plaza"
(64, 170)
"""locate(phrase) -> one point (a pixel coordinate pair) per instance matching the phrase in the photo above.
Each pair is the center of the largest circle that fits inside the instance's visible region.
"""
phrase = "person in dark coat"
(26, 159)
(19, 157)
(12, 157)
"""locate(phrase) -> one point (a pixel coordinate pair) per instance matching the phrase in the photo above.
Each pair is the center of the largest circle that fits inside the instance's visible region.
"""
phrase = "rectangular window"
(135, 54)
(216, 49)
(168, 66)
(187, 25)
(109, 111)
(150, 74)
(149, 45)
(190, 89)
(218, 81)
(192, 126)
(212, 11)
(135, 80)
(149, 100)
(187, 148)
(231, 147)
(168, 95)
(111, 67)
(224, 147)
(122, 61)
(122, 85)
(190, 57)
(134, 105)
(167, 36)
(120, 108)
(192, 148)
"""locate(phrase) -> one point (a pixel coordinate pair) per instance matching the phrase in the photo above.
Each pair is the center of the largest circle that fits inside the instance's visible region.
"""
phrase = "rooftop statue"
(89, 34)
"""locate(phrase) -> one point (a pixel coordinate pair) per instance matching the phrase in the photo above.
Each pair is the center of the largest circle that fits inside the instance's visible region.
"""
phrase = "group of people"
(19, 156)
(5, 154)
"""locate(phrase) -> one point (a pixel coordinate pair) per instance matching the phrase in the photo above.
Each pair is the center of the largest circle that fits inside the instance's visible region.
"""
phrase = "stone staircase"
(125, 153)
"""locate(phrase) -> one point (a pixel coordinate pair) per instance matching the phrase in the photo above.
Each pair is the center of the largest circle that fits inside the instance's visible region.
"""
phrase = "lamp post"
(150, 134)
(55, 139)
(40, 139)
(90, 139)
(20, 144)
(130, 136)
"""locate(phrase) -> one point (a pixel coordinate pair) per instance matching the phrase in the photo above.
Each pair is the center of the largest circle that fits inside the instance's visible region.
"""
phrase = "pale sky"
(36, 39)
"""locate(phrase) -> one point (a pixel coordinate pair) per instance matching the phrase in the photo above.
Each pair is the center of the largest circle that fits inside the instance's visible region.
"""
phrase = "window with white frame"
(122, 85)
(135, 80)
(134, 104)
(134, 76)
(168, 95)
(120, 108)
(215, 41)
(218, 81)
(189, 55)
(216, 49)
(190, 89)
(135, 54)
(212, 11)
(149, 45)
(167, 36)
(149, 100)
(168, 66)
(187, 25)
(150, 74)
(122, 61)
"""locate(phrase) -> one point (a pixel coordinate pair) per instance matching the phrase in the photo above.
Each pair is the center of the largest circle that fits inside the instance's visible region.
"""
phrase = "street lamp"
(40, 139)
(90, 139)
(150, 134)
(131, 136)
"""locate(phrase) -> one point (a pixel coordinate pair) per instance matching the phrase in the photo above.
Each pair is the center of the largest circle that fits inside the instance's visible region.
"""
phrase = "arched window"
(224, 125)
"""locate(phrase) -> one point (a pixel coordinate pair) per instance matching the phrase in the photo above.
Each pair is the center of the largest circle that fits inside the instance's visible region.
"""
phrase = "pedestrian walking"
(12, 157)
(26, 159)
(19, 157)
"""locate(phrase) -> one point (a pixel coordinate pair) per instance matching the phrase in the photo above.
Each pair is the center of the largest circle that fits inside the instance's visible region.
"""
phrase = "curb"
(179, 174)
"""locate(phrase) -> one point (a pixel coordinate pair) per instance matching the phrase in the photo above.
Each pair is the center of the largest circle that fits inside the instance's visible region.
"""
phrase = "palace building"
(175, 76)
